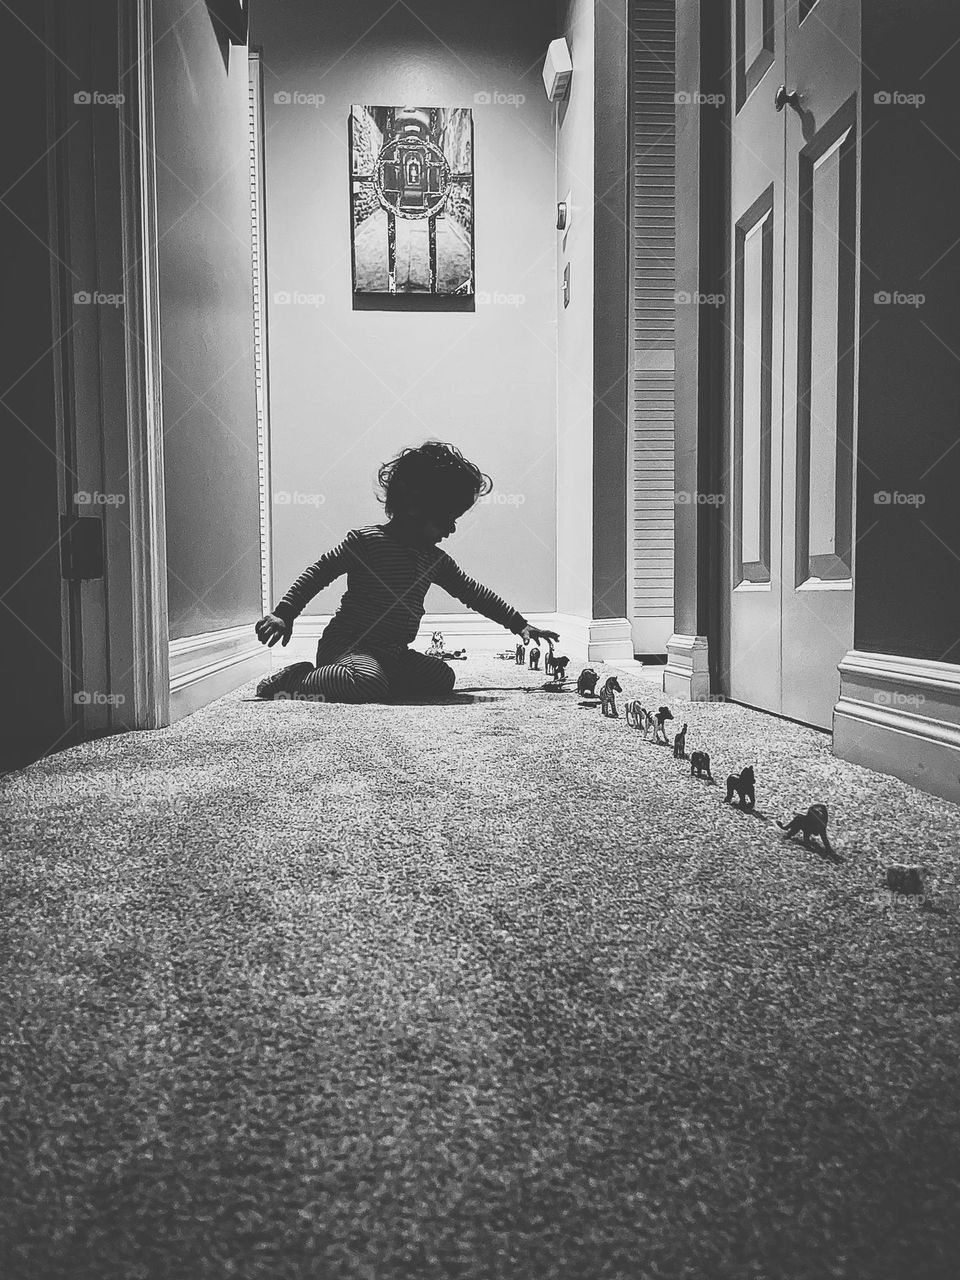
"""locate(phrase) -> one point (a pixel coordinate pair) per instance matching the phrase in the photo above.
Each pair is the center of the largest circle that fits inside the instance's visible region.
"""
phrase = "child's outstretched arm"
(279, 624)
(448, 574)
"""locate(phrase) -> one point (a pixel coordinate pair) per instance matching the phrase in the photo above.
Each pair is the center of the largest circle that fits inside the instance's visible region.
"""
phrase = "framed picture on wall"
(411, 200)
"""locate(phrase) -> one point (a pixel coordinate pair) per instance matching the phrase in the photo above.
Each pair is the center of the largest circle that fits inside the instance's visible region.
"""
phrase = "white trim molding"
(687, 673)
(207, 666)
(901, 716)
(141, 275)
(581, 639)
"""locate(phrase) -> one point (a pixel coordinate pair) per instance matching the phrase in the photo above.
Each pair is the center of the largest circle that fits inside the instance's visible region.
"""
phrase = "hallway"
(485, 988)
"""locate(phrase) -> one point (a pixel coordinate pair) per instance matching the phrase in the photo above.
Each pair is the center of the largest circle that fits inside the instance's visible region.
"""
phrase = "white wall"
(351, 387)
(575, 396)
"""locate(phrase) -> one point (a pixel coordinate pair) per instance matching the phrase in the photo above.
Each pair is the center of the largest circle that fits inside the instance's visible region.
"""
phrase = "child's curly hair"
(437, 478)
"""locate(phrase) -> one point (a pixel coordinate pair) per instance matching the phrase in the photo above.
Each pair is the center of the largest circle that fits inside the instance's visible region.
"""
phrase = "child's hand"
(271, 629)
(532, 633)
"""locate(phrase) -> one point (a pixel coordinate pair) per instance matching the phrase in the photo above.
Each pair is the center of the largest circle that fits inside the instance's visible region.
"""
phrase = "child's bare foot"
(281, 681)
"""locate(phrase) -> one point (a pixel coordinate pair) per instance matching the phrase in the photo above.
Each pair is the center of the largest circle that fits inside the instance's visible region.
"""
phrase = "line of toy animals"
(652, 725)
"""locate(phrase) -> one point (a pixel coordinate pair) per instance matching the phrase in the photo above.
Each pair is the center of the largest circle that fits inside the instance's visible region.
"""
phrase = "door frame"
(144, 365)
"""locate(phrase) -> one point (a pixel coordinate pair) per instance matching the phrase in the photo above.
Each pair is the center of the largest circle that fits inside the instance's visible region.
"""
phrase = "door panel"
(751, 658)
(793, 358)
(820, 336)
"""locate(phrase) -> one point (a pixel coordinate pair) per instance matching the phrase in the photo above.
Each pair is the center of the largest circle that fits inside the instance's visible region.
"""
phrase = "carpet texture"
(489, 988)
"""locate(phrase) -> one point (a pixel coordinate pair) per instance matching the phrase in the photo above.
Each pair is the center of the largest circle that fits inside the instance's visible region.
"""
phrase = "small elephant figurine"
(660, 736)
(700, 765)
(608, 703)
(520, 654)
(587, 683)
(744, 784)
(680, 744)
(535, 658)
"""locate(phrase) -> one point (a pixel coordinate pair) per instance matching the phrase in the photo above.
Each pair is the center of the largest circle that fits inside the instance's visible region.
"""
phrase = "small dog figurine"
(700, 765)
(608, 703)
(520, 654)
(587, 683)
(660, 736)
(535, 658)
(744, 784)
(680, 744)
(810, 824)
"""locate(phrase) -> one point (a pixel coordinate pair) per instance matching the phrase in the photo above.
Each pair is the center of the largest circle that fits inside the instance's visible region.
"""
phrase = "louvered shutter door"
(652, 135)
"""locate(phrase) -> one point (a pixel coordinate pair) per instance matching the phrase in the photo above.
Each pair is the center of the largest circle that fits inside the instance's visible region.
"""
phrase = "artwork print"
(412, 199)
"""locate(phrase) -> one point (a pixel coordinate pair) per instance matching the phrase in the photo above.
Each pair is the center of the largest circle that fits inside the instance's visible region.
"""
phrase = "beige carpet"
(486, 988)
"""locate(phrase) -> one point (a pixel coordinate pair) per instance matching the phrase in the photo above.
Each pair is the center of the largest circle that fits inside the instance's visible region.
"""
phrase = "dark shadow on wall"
(230, 24)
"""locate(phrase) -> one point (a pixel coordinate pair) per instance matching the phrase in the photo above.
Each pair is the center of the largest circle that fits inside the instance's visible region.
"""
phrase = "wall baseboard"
(207, 666)
(581, 639)
(901, 716)
(687, 673)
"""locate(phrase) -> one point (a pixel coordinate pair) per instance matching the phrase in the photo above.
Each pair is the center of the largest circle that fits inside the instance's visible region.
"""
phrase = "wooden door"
(792, 353)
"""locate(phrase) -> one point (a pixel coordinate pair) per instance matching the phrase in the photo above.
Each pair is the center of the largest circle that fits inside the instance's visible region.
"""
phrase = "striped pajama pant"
(366, 677)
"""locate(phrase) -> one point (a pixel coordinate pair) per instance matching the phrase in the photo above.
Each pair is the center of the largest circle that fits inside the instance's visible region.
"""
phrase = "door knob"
(784, 98)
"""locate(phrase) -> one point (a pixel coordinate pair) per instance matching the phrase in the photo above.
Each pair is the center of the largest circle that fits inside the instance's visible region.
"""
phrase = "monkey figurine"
(700, 765)
(634, 713)
(535, 658)
(520, 654)
(608, 703)
(680, 745)
(810, 824)
(587, 683)
(560, 668)
(744, 785)
(664, 714)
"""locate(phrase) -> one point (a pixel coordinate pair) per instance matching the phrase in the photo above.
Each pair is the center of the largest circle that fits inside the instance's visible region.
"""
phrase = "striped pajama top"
(387, 580)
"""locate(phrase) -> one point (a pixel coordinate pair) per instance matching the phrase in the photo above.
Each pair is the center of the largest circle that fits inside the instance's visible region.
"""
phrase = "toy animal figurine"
(907, 880)
(520, 654)
(587, 683)
(744, 784)
(700, 765)
(535, 658)
(634, 713)
(560, 668)
(660, 736)
(680, 744)
(810, 824)
(548, 660)
(608, 703)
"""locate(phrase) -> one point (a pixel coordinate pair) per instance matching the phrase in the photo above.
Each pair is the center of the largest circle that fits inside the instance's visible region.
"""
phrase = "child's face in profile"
(432, 527)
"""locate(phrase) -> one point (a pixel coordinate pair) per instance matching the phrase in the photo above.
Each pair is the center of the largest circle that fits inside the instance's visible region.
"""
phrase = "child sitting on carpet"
(363, 653)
